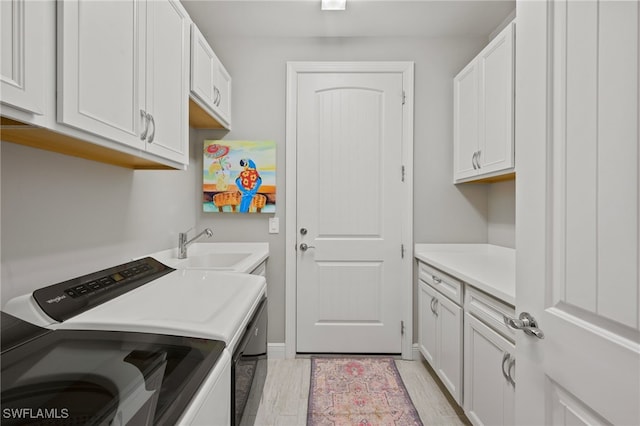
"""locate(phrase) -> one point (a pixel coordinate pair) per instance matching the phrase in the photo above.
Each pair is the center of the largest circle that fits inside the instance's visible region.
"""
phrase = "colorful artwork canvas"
(239, 176)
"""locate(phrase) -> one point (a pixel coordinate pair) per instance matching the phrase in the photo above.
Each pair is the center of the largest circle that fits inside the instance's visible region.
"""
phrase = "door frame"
(405, 200)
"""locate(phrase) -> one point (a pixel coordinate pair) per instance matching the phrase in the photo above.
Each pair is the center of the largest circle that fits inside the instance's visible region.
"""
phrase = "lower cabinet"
(489, 374)
(440, 337)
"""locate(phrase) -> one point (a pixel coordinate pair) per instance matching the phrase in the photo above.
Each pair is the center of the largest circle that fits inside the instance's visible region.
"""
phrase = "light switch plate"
(274, 225)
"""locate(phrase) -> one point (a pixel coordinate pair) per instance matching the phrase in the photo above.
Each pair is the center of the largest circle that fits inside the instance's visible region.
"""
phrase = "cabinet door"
(488, 394)
(101, 68)
(202, 68)
(23, 35)
(427, 325)
(167, 79)
(449, 346)
(496, 67)
(223, 86)
(465, 121)
(210, 81)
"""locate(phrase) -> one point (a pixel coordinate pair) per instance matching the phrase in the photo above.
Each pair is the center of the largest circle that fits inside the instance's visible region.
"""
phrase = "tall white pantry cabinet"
(123, 72)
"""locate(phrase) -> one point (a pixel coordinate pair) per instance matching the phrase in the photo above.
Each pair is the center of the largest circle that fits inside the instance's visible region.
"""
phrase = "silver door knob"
(526, 323)
(305, 247)
(303, 231)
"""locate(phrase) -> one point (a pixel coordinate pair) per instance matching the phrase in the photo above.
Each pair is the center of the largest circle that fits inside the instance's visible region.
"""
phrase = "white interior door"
(349, 212)
(577, 212)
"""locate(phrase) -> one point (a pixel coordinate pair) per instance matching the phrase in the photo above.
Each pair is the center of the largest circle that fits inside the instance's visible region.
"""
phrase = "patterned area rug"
(358, 392)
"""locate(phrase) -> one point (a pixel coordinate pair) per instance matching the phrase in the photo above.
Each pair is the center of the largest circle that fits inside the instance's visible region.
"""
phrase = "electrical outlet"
(274, 225)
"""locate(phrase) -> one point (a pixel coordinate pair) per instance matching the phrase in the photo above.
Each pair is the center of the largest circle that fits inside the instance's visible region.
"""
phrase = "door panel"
(578, 255)
(168, 79)
(349, 163)
(466, 121)
(101, 64)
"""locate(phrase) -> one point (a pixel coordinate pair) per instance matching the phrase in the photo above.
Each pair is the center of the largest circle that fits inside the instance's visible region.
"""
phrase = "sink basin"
(237, 257)
(214, 260)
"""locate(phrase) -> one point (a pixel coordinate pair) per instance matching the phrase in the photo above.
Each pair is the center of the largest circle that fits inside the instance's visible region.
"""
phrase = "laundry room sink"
(238, 257)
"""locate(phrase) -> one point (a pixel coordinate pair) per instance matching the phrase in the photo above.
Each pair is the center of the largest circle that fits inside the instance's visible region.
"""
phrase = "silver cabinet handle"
(436, 279)
(505, 358)
(153, 131)
(526, 323)
(512, 364)
(433, 309)
(478, 159)
(473, 160)
(219, 97)
(145, 117)
(305, 247)
(216, 98)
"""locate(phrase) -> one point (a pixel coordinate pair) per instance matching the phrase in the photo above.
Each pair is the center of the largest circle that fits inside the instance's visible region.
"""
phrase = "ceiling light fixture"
(334, 4)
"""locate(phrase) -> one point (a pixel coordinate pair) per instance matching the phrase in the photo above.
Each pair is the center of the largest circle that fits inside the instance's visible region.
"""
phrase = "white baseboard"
(275, 351)
(416, 352)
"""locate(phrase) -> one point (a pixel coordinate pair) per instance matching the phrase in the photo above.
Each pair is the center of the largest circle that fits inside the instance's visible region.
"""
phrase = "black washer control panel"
(69, 298)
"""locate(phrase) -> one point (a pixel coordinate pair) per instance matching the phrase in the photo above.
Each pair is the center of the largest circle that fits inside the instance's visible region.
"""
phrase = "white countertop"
(487, 267)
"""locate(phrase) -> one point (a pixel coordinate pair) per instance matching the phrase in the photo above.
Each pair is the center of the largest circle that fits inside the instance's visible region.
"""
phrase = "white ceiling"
(363, 18)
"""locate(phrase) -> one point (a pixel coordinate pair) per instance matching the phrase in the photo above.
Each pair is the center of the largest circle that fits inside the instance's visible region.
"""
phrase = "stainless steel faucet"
(183, 243)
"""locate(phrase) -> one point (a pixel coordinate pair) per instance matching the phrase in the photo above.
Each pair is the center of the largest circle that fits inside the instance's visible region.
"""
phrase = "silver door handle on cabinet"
(305, 247)
(478, 159)
(216, 99)
(436, 279)
(153, 131)
(145, 117)
(512, 364)
(505, 358)
(473, 160)
(434, 306)
(526, 323)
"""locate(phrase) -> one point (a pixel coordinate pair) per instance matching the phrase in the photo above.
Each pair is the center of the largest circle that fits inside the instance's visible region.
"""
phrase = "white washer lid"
(193, 303)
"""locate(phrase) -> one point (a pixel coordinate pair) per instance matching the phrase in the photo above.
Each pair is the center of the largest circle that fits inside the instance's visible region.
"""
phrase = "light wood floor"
(286, 392)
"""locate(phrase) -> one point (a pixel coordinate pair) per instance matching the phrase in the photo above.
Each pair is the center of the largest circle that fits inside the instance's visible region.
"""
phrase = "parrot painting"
(248, 183)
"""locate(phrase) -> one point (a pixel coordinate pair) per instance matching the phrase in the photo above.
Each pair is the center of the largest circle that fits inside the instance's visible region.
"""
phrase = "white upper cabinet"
(167, 93)
(484, 112)
(123, 73)
(22, 34)
(210, 86)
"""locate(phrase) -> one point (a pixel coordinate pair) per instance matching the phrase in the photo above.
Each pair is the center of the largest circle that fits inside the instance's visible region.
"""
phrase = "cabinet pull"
(153, 131)
(145, 117)
(505, 358)
(219, 97)
(478, 159)
(436, 279)
(434, 307)
(512, 364)
(216, 96)
(473, 160)
(433, 299)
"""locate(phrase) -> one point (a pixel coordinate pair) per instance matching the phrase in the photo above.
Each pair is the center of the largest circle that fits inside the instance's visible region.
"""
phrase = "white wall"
(502, 214)
(63, 216)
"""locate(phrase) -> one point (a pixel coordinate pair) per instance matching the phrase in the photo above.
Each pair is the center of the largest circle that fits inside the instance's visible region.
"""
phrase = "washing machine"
(146, 298)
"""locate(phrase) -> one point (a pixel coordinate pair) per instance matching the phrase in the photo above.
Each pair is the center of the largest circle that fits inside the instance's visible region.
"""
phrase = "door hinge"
(403, 171)
(404, 97)
(402, 328)
(402, 250)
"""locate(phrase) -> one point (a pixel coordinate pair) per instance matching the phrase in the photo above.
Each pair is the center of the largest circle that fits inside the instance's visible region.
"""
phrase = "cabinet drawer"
(489, 310)
(445, 284)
